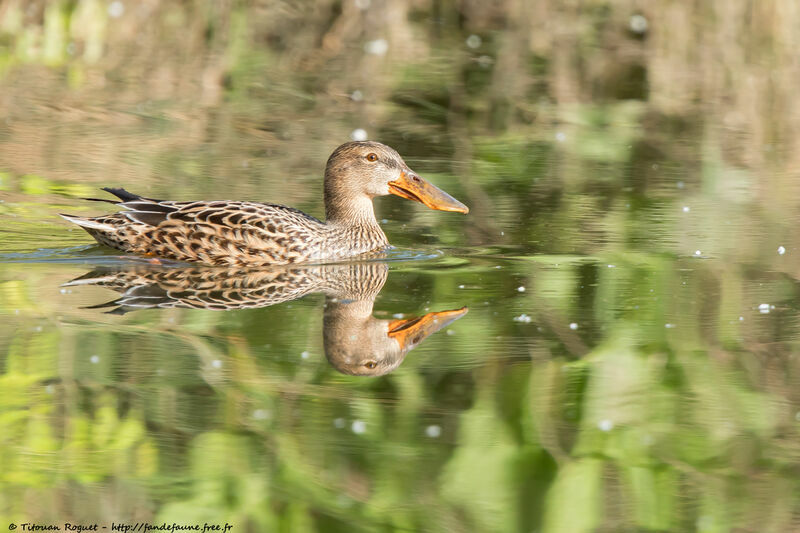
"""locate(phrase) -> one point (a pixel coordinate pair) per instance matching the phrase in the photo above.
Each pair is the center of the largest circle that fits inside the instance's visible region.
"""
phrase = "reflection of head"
(360, 345)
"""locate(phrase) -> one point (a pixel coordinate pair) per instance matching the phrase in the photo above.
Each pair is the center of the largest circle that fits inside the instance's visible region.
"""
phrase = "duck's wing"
(216, 232)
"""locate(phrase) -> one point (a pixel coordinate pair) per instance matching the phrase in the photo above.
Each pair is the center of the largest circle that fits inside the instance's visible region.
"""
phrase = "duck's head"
(359, 171)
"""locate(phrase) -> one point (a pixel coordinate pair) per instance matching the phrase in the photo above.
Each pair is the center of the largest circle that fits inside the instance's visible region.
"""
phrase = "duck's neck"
(353, 222)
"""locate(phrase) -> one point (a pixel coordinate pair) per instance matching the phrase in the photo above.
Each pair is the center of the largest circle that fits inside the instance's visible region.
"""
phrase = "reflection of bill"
(355, 342)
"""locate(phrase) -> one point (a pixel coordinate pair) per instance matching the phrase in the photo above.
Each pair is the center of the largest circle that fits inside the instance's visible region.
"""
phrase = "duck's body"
(247, 233)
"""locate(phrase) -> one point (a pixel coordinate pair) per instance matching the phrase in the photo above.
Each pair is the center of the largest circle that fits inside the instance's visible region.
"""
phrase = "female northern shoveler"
(250, 233)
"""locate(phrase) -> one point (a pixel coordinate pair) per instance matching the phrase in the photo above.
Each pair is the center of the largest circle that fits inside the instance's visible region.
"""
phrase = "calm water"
(609, 341)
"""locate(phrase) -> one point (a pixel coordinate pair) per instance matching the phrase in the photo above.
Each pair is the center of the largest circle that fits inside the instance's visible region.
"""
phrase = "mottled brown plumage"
(355, 342)
(235, 233)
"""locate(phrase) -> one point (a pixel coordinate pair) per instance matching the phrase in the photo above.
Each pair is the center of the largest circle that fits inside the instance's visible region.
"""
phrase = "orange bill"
(410, 332)
(412, 187)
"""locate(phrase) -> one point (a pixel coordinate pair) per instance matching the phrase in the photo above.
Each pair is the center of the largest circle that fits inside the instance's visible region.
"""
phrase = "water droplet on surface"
(561, 136)
(669, 326)
(94, 359)
(686, 209)
(378, 47)
(679, 185)
(358, 427)
(525, 319)
(49, 389)
(116, 9)
(356, 96)
(359, 134)
(304, 355)
(451, 332)
(261, 414)
(474, 41)
(433, 431)
(741, 319)
(216, 363)
(338, 422)
(763, 308)
(638, 24)
(398, 315)
(781, 250)
(605, 425)
(573, 326)
(520, 289)
(698, 252)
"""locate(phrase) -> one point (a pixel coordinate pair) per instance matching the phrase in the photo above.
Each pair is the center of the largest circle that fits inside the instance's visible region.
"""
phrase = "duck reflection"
(355, 342)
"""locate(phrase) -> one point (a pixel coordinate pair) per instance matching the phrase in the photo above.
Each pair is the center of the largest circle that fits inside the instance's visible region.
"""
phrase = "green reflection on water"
(629, 360)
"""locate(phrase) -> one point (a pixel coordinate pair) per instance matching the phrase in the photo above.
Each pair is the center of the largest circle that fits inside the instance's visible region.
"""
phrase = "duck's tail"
(87, 223)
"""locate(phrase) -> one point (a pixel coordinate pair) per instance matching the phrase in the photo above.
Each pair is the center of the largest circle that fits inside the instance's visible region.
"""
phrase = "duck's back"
(210, 232)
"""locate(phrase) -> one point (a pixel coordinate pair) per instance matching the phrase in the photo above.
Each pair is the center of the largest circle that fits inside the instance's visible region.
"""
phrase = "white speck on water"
(49, 389)
(573, 326)
(398, 315)
(686, 209)
(561, 136)
(498, 267)
(353, 337)
(474, 41)
(525, 319)
(216, 363)
(384, 221)
(654, 166)
(781, 250)
(502, 233)
(378, 47)
(433, 431)
(362, 4)
(356, 96)
(94, 359)
(63, 291)
(606, 425)
(460, 286)
(261, 414)
(359, 134)
(520, 289)
(612, 266)
(304, 355)
(358, 427)
(338, 422)
(451, 332)
(679, 185)
(698, 252)
(16, 311)
(763, 308)
(38, 329)
(116, 9)
(638, 24)
(669, 326)
(741, 319)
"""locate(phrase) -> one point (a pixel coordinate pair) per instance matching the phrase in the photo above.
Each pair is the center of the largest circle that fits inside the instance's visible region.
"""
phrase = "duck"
(354, 341)
(243, 233)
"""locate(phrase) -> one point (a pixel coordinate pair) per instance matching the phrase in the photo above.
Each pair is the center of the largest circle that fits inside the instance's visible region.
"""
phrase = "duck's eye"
(372, 157)
(370, 364)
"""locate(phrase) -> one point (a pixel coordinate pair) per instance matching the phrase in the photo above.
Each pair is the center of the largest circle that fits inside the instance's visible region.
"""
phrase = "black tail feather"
(122, 194)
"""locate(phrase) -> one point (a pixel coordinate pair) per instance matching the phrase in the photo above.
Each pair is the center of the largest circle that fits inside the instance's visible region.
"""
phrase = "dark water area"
(608, 341)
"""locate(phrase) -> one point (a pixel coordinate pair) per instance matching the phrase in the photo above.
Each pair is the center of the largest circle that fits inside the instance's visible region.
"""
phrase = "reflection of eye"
(372, 157)
(370, 364)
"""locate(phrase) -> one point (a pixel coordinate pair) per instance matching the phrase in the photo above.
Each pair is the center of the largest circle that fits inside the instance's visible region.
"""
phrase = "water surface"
(623, 349)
